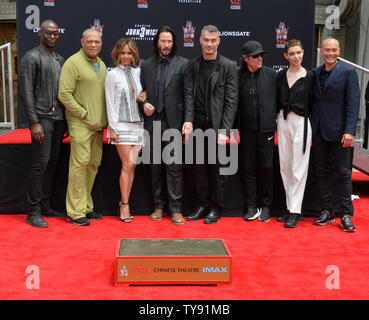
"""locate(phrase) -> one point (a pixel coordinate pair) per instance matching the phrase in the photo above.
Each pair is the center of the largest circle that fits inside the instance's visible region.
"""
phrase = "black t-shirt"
(249, 98)
(57, 112)
(323, 77)
(206, 70)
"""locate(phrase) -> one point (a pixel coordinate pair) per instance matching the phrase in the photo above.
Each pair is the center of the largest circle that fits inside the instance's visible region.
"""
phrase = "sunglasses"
(255, 56)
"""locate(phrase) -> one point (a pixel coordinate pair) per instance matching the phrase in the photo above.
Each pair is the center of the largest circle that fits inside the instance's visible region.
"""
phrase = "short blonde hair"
(119, 45)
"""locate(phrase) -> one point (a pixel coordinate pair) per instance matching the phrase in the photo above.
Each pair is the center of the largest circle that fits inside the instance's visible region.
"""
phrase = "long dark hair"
(156, 39)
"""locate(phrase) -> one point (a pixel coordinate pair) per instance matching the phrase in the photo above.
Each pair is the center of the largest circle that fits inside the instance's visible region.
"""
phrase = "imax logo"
(214, 270)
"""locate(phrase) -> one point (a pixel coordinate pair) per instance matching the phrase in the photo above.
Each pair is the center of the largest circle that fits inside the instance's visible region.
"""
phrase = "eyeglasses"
(255, 56)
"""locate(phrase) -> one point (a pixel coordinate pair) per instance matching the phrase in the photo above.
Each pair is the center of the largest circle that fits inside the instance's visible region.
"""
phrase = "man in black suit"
(215, 97)
(169, 104)
(334, 116)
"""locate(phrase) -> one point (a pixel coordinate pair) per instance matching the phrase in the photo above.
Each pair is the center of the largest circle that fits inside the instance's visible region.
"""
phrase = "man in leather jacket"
(38, 89)
(215, 99)
(257, 110)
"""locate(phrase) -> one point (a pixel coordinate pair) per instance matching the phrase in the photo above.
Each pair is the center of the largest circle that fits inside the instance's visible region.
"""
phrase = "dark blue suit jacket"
(336, 108)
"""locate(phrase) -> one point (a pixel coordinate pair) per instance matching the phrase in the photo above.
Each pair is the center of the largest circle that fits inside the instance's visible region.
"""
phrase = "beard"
(165, 52)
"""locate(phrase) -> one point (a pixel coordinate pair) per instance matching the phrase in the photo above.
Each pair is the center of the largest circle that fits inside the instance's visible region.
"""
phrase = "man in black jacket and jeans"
(257, 110)
(38, 89)
(215, 99)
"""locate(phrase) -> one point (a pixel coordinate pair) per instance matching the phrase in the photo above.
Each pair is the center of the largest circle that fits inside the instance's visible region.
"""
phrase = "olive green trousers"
(84, 161)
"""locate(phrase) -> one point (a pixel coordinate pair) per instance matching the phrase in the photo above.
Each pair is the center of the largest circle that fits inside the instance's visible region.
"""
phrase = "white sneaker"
(252, 214)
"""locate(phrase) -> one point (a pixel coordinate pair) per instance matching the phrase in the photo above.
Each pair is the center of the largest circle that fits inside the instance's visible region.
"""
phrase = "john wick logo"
(235, 5)
(142, 4)
(189, 34)
(98, 26)
(281, 35)
(141, 32)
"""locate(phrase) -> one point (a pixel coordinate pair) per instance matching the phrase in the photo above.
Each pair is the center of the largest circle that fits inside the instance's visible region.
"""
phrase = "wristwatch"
(85, 116)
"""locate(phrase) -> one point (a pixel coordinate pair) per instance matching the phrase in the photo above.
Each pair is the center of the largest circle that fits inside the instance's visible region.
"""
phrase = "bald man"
(39, 73)
(334, 116)
(81, 90)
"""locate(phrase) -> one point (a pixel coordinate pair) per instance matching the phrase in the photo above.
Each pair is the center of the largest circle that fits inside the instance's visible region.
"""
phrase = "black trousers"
(256, 165)
(326, 154)
(44, 160)
(167, 180)
(208, 183)
(366, 126)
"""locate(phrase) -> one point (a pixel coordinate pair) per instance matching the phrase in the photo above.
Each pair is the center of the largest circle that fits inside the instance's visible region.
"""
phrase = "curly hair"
(119, 45)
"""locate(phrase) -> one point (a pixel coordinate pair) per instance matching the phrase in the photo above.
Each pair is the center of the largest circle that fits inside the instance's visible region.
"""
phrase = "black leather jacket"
(221, 92)
(36, 83)
(263, 119)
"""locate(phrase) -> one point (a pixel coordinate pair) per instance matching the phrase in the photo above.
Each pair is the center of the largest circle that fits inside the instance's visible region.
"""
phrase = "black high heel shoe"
(126, 220)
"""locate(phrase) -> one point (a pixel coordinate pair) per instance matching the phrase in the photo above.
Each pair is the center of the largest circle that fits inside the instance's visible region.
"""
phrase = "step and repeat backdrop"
(270, 22)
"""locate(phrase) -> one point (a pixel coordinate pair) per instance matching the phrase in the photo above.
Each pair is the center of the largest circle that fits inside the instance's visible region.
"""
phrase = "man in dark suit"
(215, 103)
(334, 116)
(169, 104)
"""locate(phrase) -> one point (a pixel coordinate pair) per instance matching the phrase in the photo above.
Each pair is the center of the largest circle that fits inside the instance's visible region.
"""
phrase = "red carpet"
(23, 136)
(269, 261)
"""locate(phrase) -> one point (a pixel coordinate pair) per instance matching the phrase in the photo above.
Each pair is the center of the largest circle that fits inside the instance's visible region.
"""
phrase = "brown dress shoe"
(158, 214)
(177, 219)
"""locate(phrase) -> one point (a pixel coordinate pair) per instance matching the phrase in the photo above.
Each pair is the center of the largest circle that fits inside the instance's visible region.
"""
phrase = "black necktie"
(163, 67)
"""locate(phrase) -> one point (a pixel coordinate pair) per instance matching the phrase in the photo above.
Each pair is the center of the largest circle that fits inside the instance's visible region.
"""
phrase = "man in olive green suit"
(81, 90)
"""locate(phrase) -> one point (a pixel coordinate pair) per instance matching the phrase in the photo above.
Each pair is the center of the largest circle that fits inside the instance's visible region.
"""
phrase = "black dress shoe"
(284, 217)
(53, 213)
(324, 218)
(200, 213)
(346, 224)
(212, 217)
(83, 221)
(37, 221)
(292, 220)
(94, 216)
